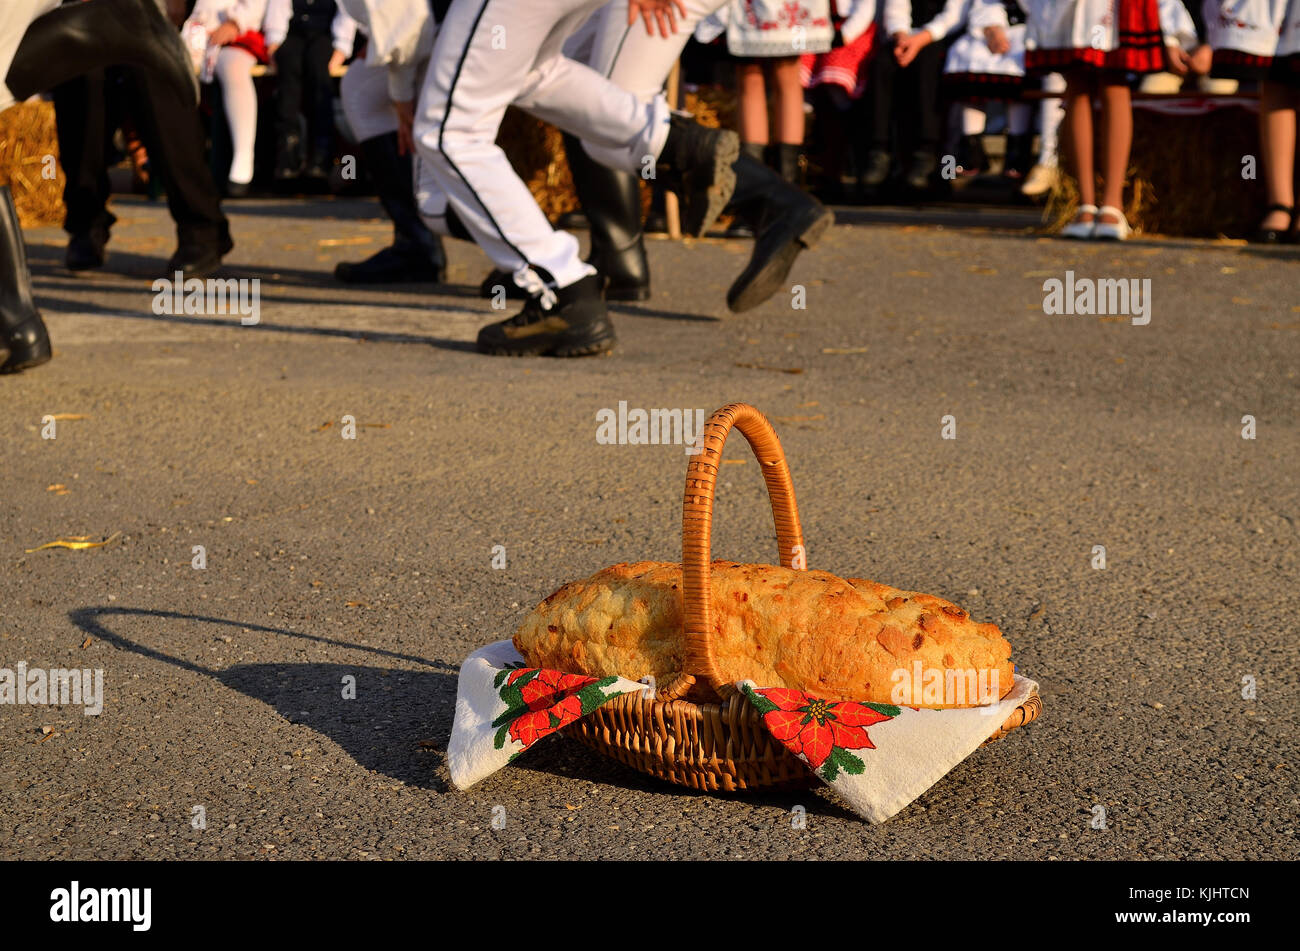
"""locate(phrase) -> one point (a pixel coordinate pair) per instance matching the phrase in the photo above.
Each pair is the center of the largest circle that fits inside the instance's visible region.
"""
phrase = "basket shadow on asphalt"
(395, 710)
(378, 729)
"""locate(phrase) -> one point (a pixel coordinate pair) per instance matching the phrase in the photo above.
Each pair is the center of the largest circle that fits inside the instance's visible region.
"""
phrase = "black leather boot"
(785, 159)
(739, 227)
(696, 164)
(612, 202)
(416, 253)
(76, 38)
(785, 220)
(23, 340)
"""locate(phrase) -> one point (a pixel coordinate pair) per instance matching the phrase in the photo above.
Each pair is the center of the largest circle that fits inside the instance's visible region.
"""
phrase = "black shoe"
(920, 171)
(876, 170)
(320, 168)
(576, 325)
(785, 220)
(237, 189)
(611, 201)
(416, 253)
(1020, 156)
(74, 39)
(86, 249)
(288, 157)
(971, 157)
(23, 339)
(696, 164)
(1275, 235)
(396, 264)
(199, 258)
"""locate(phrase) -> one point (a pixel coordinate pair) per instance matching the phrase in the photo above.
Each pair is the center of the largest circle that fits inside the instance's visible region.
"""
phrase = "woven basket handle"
(697, 522)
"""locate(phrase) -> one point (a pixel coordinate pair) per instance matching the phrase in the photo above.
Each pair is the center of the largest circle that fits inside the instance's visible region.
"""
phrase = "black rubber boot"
(23, 340)
(786, 161)
(785, 220)
(1020, 154)
(612, 202)
(575, 324)
(696, 163)
(739, 227)
(76, 38)
(416, 253)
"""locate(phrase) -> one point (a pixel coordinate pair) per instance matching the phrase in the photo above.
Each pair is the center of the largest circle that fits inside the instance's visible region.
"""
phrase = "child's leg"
(1078, 121)
(319, 98)
(789, 100)
(235, 73)
(753, 102)
(1050, 115)
(973, 119)
(1018, 116)
(1117, 140)
(1277, 137)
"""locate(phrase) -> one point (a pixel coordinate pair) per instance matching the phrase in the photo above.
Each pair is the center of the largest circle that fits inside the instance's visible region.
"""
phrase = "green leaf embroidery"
(884, 709)
(500, 739)
(760, 702)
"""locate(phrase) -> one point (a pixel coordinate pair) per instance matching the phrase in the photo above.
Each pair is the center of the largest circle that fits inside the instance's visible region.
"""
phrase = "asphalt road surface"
(372, 557)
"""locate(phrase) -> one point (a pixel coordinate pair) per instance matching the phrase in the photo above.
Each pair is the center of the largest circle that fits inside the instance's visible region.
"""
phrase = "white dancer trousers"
(491, 54)
(15, 17)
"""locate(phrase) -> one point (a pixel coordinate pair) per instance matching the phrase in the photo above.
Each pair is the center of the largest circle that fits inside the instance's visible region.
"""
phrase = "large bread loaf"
(809, 630)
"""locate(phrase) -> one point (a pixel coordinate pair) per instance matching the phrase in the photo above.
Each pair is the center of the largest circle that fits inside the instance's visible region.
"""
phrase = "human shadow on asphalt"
(47, 262)
(396, 717)
(47, 301)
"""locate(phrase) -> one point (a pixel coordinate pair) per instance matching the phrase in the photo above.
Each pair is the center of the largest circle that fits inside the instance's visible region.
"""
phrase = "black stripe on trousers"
(451, 91)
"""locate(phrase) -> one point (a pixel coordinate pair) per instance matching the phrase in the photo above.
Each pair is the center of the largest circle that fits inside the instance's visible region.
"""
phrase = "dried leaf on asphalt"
(62, 416)
(87, 642)
(75, 542)
(761, 366)
(844, 349)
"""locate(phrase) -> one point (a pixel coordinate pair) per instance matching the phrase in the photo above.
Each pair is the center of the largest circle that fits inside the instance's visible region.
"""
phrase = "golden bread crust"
(809, 630)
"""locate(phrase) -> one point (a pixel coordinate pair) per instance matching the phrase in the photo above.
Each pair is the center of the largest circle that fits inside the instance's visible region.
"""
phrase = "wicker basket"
(720, 746)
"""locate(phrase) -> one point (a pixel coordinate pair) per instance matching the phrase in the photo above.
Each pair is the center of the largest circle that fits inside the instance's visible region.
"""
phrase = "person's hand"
(1201, 60)
(337, 59)
(1177, 61)
(663, 12)
(405, 124)
(996, 39)
(225, 34)
(907, 48)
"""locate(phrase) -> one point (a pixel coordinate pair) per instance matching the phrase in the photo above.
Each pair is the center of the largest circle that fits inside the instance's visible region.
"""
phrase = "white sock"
(234, 72)
(973, 119)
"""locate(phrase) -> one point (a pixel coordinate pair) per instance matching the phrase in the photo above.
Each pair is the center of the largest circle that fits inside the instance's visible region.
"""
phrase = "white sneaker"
(1110, 230)
(1040, 180)
(1081, 230)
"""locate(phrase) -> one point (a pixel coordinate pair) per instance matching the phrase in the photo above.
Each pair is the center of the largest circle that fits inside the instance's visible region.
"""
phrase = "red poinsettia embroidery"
(539, 702)
(819, 730)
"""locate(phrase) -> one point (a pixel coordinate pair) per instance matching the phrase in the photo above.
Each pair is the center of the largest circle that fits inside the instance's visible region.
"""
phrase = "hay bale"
(29, 151)
(1177, 185)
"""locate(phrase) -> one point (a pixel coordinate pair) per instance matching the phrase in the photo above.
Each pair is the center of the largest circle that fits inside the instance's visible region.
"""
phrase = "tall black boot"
(23, 340)
(787, 161)
(612, 202)
(739, 227)
(76, 38)
(416, 253)
(785, 220)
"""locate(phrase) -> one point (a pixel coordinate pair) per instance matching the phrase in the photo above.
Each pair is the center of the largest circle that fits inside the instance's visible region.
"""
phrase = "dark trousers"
(86, 113)
(303, 85)
(906, 101)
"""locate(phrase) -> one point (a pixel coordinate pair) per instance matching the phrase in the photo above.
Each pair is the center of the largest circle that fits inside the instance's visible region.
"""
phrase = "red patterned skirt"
(845, 66)
(253, 42)
(1141, 47)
